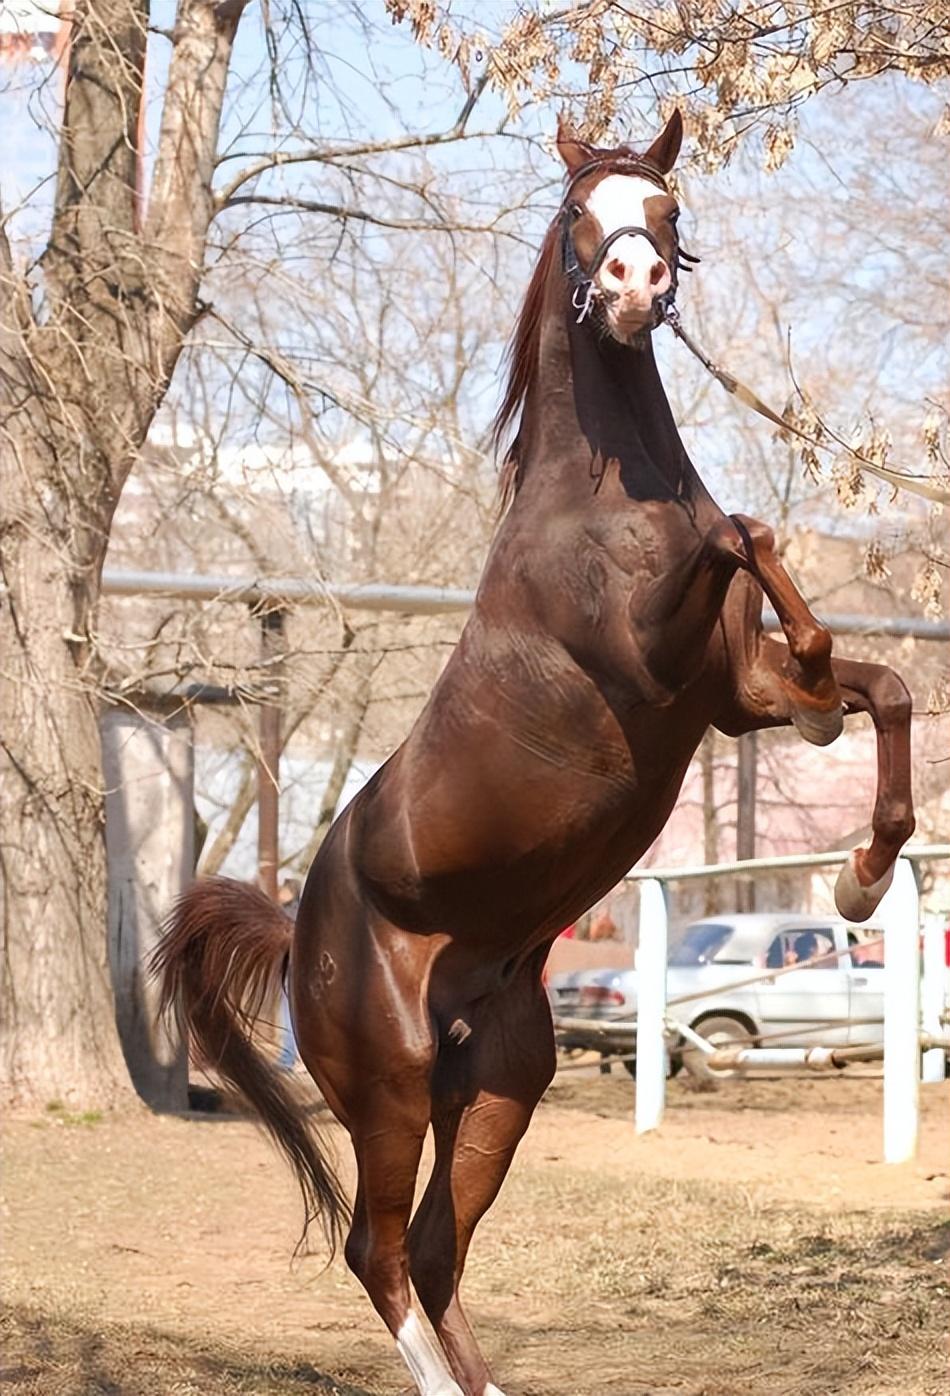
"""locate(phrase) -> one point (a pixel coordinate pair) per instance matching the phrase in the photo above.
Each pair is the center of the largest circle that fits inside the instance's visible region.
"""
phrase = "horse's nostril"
(657, 273)
(617, 270)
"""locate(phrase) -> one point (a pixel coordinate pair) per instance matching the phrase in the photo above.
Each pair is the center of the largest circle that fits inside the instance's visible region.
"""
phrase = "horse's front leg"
(807, 675)
(672, 623)
(759, 698)
(675, 622)
(877, 690)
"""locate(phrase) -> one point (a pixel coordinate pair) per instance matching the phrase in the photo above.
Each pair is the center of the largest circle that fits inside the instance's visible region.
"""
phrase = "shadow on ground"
(51, 1356)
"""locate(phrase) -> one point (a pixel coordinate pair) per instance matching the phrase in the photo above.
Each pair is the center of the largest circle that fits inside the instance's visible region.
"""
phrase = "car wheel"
(676, 1065)
(721, 1032)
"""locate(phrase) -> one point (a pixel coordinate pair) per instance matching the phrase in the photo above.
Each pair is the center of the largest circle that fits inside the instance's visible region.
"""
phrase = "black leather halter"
(584, 279)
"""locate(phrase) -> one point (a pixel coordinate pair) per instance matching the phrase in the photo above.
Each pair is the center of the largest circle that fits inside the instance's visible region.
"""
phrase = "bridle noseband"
(584, 280)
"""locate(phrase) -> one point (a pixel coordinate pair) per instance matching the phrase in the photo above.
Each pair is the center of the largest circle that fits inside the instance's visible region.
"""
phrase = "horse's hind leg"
(485, 1092)
(387, 1138)
(371, 1050)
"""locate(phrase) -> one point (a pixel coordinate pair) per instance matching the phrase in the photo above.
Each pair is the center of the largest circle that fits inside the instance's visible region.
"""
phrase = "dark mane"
(522, 356)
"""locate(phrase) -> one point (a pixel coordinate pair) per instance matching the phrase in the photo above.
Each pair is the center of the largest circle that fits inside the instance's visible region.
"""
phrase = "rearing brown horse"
(618, 617)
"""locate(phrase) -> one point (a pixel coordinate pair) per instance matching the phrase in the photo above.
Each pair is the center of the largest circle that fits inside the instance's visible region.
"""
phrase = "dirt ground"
(754, 1246)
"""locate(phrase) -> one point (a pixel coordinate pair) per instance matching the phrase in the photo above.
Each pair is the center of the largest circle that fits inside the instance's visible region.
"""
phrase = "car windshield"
(701, 944)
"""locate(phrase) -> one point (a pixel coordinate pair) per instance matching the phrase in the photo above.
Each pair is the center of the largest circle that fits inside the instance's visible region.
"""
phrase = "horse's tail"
(222, 953)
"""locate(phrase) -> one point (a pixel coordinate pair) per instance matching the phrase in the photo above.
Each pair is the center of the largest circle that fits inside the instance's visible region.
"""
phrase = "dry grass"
(150, 1258)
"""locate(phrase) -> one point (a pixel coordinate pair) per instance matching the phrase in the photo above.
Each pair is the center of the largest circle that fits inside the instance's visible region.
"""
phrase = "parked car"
(845, 996)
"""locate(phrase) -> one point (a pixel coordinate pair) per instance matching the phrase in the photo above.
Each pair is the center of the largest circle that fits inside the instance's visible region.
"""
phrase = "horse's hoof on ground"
(854, 901)
(817, 726)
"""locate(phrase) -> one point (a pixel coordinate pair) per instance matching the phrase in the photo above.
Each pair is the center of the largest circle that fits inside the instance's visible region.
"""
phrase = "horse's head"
(618, 219)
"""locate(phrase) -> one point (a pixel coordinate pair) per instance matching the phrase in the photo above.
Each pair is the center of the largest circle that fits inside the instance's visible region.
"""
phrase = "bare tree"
(81, 383)
(90, 335)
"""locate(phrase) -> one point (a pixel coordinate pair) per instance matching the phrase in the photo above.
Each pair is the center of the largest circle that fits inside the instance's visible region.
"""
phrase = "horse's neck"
(598, 410)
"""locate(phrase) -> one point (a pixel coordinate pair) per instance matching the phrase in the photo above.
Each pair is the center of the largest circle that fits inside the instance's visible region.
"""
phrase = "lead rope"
(899, 479)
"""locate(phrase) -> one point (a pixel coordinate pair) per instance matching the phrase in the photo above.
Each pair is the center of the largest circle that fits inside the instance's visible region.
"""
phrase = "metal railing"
(422, 600)
(905, 1012)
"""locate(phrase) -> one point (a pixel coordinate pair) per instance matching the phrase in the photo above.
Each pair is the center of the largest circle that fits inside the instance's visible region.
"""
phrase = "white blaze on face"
(618, 201)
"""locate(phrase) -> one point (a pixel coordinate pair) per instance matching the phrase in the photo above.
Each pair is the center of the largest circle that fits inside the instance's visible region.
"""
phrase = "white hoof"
(819, 728)
(854, 901)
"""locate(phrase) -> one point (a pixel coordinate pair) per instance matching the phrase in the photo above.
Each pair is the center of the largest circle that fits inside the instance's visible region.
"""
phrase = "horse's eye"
(674, 217)
(576, 210)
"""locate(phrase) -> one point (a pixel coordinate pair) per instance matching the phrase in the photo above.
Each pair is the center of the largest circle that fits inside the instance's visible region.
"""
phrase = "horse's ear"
(572, 150)
(666, 147)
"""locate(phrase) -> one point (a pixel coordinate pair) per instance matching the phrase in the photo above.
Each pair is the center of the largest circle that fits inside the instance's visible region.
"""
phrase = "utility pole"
(745, 815)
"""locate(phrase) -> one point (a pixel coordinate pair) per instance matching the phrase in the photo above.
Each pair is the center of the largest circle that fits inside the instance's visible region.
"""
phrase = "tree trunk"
(79, 386)
(246, 796)
(57, 1019)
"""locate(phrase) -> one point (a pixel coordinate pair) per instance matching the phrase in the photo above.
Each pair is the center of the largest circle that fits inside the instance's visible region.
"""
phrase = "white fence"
(906, 1009)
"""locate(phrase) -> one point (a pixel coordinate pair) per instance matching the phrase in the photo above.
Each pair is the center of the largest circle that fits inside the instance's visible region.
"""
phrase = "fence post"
(651, 1006)
(899, 914)
(932, 996)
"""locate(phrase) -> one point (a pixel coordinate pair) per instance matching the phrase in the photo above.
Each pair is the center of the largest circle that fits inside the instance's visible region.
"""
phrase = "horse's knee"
(760, 534)
(813, 643)
(738, 540)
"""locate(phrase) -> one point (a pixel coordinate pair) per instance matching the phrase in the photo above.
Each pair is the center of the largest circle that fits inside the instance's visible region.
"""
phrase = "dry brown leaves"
(734, 67)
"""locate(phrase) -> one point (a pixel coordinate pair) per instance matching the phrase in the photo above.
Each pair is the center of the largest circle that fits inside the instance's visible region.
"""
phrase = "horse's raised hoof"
(820, 727)
(854, 901)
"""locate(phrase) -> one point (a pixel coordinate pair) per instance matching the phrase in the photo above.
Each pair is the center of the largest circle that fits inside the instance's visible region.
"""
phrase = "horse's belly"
(518, 835)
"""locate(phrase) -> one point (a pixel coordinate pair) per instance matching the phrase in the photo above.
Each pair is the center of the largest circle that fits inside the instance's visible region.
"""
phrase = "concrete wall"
(149, 773)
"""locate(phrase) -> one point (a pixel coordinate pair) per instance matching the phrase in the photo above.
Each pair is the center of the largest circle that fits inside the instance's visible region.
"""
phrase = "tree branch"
(182, 201)
(326, 155)
(415, 225)
(364, 662)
